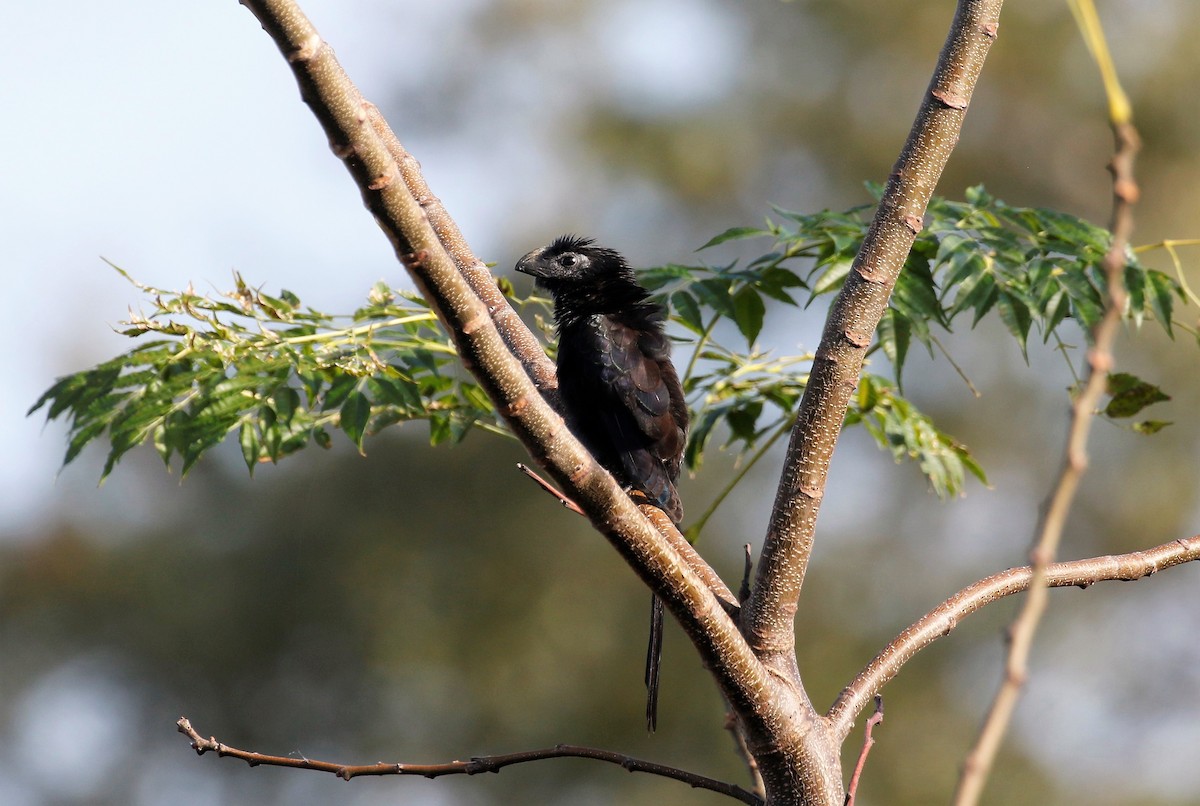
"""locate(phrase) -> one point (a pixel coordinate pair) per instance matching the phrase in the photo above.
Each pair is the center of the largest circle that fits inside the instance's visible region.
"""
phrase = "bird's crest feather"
(569, 243)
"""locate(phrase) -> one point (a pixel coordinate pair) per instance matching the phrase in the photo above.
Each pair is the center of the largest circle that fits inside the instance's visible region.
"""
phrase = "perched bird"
(620, 391)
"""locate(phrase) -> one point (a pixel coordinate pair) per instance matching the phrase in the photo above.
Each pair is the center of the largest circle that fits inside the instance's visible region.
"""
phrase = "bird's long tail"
(654, 662)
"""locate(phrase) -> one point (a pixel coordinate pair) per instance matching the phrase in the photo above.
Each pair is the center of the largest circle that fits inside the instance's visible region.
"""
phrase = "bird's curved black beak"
(530, 265)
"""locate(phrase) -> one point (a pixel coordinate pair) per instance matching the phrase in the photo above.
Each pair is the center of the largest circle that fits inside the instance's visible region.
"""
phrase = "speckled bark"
(796, 750)
(354, 133)
(768, 618)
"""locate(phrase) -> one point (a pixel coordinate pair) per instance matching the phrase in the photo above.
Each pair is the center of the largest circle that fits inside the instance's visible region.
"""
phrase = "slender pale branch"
(942, 620)
(551, 489)
(473, 766)
(666, 528)
(978, 762)
(768, 618)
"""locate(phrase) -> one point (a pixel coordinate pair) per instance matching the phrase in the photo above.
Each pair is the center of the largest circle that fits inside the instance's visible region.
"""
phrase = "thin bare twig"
(747, 570)
(942, 620)
(868, 743)
(978, 762)
(550, 488)
(473, 766)
(743, 750)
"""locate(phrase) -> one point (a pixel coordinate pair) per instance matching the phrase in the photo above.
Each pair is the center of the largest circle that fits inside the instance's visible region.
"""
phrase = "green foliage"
(276, 372)
(1128, 395)
(1031, 265)
(754, 394)
(280, 374)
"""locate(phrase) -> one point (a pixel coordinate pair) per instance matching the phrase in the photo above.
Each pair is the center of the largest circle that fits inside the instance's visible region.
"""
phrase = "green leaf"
(895, 336)
(248, 438)
(353, 416)
(1161, 298)
(1148, 427)
(774, 280)
(660, 276)
(688, 311)
(1130, 395)
(832, 277)
(439, 429)
(1015, 315)
(916, 296)
(714, 292)
(286, 401)
(701, 429)
(748, 313)
(742, 421)
(734, 234)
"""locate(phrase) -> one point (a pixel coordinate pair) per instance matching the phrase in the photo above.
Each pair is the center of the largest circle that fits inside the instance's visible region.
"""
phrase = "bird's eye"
(567, 260)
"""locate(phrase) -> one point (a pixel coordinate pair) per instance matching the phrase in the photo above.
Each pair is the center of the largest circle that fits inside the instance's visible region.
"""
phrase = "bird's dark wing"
(631, 414)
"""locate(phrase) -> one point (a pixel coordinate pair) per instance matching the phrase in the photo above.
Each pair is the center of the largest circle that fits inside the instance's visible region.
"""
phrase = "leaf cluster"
(1029, 266)
(753, 394)
(280, 374)
(277, 373)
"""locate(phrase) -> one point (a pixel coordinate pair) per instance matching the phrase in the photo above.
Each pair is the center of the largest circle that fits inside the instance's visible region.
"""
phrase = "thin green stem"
(349, 334)
(781, 426)
(1062, 347)
(1178, 264)
(954, 364)
(700, 342)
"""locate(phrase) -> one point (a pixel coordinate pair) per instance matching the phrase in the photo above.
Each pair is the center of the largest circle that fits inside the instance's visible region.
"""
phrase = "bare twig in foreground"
(868, 743)
(472, 766)
(550, 488)
(1100, 361)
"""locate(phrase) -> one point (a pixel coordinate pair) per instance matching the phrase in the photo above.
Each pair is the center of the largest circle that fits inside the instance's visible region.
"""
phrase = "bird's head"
(586, 279)
(574, 262)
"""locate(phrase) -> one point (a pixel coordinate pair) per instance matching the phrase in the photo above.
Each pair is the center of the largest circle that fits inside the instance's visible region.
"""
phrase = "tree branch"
(769, 617)
(354, 130)
(978, 762)
(942, 620)
(474, 766)
(868, 743)
(519, 339)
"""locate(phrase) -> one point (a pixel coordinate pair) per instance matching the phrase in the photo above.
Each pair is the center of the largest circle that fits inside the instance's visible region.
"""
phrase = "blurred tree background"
(423, 604)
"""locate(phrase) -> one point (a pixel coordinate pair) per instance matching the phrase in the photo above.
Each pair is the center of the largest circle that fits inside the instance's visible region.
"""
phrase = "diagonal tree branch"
(667, 529)
(353, 128)
(473, 766)
(519, 339)
(942, 620)
(768, 618)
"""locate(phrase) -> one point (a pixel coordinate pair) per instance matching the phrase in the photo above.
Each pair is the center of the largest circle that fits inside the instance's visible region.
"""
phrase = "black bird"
(621, 394)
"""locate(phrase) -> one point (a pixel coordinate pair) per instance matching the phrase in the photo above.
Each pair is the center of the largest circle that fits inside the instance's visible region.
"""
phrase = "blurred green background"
(424, 605)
